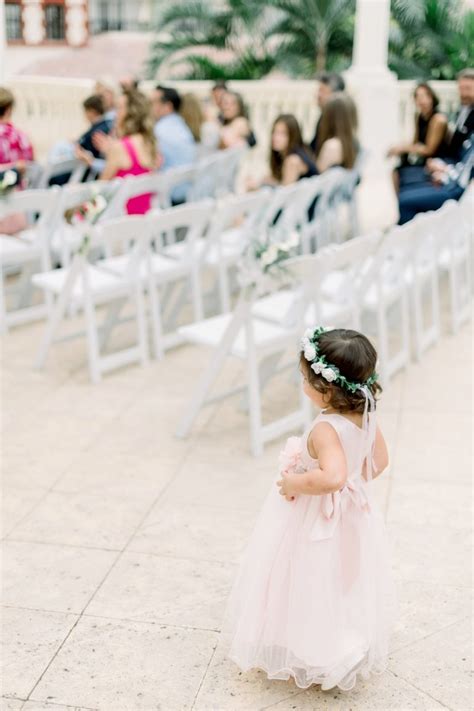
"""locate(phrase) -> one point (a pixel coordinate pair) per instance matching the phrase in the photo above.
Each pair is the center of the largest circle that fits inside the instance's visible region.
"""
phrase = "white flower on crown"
(270, 255)
(318, 367)
(304, 343)
(309, 352)
(309, 333)
(329, 374)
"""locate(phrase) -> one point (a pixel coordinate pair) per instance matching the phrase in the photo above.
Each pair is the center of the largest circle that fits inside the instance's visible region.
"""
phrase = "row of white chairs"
(52, 241)
(390, 285)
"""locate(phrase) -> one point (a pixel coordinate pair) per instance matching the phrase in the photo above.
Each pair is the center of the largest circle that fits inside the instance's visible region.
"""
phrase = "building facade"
(36, 22)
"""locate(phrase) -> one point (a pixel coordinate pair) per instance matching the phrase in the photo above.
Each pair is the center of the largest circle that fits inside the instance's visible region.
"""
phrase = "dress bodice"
(352, 437)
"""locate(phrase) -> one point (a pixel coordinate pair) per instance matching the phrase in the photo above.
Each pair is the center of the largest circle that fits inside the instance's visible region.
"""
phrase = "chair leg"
(56, 315)
(92, 340)
(142, 336)
(156, 325)
(196, 295)
(255, 404)
(214, 367)
(3, 310)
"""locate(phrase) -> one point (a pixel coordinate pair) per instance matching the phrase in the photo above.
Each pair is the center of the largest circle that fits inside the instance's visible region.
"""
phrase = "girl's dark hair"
(339, 120)
(434, 96)
(355, 357)
(241, 108)
(295, 140)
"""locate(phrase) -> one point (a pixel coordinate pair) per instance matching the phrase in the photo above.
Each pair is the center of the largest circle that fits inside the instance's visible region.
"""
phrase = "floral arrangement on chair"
(9, 180)
(86, 214)
(266, 258)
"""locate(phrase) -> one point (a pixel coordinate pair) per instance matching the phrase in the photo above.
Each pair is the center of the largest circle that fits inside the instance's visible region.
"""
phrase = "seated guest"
(337, 143)
(175, 140)
(464, 125)
(205, 132)
(86, 149)
(329, 84)
(15, 147)
(15, 153)
(429, 140)
(446, 181)
(107, 89)
(236, 129)
(128, 81)
(134, 152)
(218, 92)
(290, 159)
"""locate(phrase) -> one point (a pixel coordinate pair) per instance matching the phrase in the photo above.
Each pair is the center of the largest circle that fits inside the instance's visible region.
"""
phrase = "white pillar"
(3, 52)
(374, 87)
(33, 21)
(76, 23)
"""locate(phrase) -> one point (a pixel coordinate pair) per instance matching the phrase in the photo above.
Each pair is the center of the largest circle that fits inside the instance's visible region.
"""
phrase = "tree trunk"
(321, 55)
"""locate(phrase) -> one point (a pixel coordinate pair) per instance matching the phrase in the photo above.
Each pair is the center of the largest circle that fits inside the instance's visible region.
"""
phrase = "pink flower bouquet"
(290, 459)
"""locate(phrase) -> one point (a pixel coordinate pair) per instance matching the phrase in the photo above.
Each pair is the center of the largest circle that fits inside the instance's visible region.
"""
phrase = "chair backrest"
(129, 235)
(75, 168)
(281, 199)
(170, 179)
(42, 203)
(248, 206)
(228, 168)
(192, 217)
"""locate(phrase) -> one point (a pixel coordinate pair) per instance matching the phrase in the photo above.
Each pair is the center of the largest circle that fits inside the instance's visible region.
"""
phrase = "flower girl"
(313, 598)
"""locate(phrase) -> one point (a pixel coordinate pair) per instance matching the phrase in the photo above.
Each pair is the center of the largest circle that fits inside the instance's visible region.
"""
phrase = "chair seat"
(232, 245)
(209, 332)
(16, 250)
(161, 266)
(279, 307)
(101, 282)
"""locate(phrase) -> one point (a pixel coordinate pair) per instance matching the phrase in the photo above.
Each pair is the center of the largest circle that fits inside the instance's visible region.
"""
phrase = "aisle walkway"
(121, 541)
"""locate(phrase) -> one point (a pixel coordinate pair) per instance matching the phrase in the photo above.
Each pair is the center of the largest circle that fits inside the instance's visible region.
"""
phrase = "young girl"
(313, 598)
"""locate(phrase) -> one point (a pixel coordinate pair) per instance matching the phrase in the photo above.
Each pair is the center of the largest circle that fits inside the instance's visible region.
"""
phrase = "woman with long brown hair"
(337, 142)
(135, 150)
(290, 159)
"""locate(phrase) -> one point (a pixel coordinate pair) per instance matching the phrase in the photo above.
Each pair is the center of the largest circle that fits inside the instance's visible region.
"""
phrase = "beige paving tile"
(384, 693)
(40, 706)
(426, 503)
(7, 704)
(193, 531)
(125, 666)
(176, 591)
(50, 577)
(16, 504)
(30, 640)
(425, 608)
(440, 665)
(226, 688)
(84, 519)
(36, 466)
(433, 553)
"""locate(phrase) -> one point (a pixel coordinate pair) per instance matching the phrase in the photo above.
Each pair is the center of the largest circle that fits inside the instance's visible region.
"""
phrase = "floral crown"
(310, 348)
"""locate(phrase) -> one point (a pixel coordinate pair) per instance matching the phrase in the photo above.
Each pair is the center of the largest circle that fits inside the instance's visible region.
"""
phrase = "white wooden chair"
(216, 174)
(454, 239)
(85, 287)
(254, 342)
(383, 290)
(26, 252)
(75, 168)
(168, 269)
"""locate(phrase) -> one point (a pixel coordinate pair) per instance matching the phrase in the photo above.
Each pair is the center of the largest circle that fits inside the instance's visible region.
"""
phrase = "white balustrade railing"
(49, 109)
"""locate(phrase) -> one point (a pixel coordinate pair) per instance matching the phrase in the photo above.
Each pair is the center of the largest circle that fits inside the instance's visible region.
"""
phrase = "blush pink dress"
(140, 204)
(313, 598)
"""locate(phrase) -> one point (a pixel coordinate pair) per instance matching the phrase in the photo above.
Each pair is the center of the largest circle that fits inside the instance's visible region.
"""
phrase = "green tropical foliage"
(430, 39)
(247, 39)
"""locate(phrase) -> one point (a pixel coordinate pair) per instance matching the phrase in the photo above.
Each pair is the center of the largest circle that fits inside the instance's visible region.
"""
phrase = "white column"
(3, 53)
(76, 22)
(372, 84)
(33, 22)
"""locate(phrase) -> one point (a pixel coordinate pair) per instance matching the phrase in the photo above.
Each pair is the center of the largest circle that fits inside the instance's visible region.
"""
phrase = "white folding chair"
(26, 252)
(73, 167)
(170, 268)
(252, 341)
(85, 287)
(454, 238)
(385, 290)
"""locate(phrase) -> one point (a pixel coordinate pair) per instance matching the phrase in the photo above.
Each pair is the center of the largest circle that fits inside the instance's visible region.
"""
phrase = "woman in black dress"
(429, 141)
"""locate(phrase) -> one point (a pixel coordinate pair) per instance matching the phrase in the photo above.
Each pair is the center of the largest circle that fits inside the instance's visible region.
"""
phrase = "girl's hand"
(284, 486)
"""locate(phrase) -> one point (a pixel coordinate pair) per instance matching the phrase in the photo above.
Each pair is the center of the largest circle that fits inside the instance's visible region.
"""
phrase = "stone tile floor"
(120, 542)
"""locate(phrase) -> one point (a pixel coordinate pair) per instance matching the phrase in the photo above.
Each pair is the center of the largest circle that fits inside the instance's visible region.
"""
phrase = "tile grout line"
(427, 636)
(421, 691)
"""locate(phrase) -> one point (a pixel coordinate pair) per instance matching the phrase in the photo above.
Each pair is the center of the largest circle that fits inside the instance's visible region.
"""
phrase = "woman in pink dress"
(135, 151)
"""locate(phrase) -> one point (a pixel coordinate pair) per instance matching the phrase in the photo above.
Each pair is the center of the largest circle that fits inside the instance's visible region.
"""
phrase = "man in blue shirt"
(175, 140)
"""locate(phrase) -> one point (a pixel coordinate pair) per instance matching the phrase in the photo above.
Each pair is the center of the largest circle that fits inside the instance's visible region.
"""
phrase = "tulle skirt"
(313, 598)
